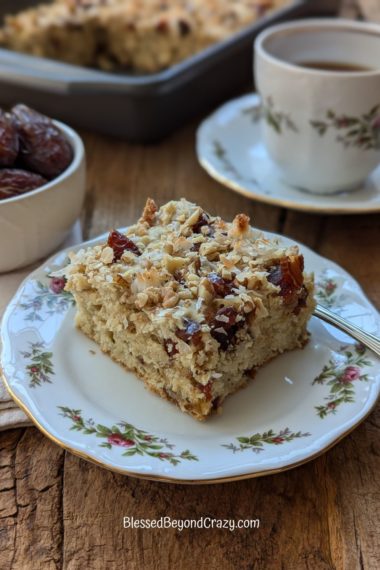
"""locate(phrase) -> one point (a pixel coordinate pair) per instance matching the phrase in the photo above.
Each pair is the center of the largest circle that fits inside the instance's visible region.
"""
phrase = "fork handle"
(369, 340)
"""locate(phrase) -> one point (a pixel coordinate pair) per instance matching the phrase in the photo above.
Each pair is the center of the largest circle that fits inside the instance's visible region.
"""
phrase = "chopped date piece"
(170, 347)
(251, 372)
(275, 276)
(302, 298)
(184, 27)
(203, 220)
(195, 246)
(224, 326)
(206, 389)
(178, 276)
(14, 181)
(191, 332)
(288, 276)
(216, 403)
(9, 143)
(197, 265)
(162, 26)
(222, 287)
(120, 243)
(43, 148)
(263, 7)
(296, 264)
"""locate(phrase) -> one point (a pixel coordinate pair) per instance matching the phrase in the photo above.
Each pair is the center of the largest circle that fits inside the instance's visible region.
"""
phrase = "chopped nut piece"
(149, 212)
(170, 298)
(206, 290)
(173, 264)
(240, 226)
(107, 255)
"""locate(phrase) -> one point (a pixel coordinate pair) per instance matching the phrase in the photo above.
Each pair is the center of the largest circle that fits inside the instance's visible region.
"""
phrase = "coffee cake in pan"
(143, 35)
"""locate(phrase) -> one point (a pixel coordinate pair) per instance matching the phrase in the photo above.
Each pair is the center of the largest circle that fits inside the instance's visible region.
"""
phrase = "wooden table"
(57, 511)
(60, 512)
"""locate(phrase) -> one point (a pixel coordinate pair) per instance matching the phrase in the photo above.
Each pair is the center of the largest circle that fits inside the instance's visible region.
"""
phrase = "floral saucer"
(231, 150)
(298, 406)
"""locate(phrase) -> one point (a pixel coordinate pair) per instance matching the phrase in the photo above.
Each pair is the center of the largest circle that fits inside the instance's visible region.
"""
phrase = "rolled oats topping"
(157, 266)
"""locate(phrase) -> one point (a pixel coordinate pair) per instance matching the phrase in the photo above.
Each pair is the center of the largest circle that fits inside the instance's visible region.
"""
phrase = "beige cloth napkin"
(10, 414)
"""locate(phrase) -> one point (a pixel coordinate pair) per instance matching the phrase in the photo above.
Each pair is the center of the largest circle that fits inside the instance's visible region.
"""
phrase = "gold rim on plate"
(173, 480)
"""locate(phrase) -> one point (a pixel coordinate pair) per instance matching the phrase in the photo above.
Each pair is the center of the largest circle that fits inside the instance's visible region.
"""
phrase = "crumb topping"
(180, 262)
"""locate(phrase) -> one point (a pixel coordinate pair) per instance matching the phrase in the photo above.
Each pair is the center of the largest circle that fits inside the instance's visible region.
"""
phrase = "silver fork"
(369, 340)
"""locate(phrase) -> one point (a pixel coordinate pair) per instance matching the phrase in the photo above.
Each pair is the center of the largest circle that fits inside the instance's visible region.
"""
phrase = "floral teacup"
(321, 127)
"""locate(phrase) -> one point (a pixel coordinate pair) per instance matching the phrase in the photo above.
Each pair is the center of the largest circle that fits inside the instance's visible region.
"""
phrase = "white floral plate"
(231, 150)
(298, 405)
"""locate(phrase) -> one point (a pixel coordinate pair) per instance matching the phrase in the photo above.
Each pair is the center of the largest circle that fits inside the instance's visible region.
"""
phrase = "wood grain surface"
(59, 512)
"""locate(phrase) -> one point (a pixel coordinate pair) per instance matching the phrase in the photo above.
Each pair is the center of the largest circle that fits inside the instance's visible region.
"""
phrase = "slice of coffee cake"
(190, 303)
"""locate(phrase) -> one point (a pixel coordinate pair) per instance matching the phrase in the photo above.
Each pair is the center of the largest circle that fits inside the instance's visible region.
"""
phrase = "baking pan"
(139, 108)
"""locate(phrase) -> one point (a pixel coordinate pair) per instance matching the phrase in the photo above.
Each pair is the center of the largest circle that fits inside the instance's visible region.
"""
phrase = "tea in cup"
(319, 82)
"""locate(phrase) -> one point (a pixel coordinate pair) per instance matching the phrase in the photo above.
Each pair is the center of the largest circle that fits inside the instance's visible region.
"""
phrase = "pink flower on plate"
(277, 440)
(376, 123)
(330, 286)
(350, 374)
(57, 284)
(342, 122)
(117, 439)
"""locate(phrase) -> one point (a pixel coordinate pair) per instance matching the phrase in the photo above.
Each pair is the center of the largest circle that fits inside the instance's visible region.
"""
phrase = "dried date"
(191, 332)
(179, 277)
(162, 27)
(216, 403)
(121, 243)
(170, 347)
(288, 276)
(203, 220)
(195, 247)
(206, 389)
(9, 142)
(184, 28)
(43, 148)
(14, 181)
(225, 325)
(302, 300)
(222, 287)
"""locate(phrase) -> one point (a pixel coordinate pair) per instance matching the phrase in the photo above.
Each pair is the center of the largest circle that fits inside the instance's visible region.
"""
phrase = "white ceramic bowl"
(33, 224)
